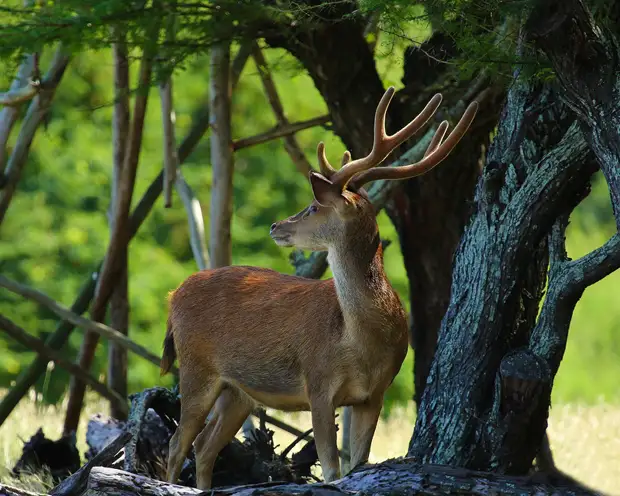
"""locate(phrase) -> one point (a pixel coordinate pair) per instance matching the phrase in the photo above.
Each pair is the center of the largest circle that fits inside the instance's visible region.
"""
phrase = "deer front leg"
(324, 426)
(364, 420)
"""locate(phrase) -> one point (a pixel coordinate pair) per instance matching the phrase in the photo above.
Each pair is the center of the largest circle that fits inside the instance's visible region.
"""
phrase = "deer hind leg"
(364, 418)
(324, 426)
(230, 411)
(197, 398)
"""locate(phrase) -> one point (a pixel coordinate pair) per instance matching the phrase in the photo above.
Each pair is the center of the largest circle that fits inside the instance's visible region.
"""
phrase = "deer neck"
(363, 290)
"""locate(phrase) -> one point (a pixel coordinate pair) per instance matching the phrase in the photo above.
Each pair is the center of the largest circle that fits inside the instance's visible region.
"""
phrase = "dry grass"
(585, 439)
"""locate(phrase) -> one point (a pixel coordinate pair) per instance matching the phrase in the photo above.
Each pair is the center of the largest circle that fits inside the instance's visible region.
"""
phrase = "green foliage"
(56, 229)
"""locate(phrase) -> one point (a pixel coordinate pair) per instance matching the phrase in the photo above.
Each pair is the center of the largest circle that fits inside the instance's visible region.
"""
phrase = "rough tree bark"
(467, 416)
(505, 362)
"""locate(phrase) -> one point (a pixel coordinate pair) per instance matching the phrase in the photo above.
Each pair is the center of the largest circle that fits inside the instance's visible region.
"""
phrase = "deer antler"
(326, 169)
(435, 153)
(383, 143)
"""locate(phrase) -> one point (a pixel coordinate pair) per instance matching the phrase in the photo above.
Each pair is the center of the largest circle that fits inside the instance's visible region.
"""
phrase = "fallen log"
(402, 477)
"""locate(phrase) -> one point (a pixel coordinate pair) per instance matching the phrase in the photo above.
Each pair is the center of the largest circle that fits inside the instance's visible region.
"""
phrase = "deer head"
(340, 204)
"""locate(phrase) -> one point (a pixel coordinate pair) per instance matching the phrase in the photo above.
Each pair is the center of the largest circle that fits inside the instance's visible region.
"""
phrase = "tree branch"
(36, 112)
(403, 476)
(15, 97)
(280, 132)
(77, 482)
(8, 116)
(169, 141)
(35, 344)
(69, 316)
(290, 143)
(195, 220)
(567, 282)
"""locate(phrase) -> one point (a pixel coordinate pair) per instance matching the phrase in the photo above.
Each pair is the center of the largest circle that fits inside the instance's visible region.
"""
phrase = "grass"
(585, 439)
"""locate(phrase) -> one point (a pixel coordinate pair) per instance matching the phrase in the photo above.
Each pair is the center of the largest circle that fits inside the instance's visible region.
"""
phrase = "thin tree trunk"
(170, 149)
(220, 251)
(119, 301)
(119, 239)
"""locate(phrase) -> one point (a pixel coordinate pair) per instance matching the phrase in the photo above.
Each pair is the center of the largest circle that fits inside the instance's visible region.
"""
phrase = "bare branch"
(8, 115)
(76, 483)
(169, 142)
(280, 131)
(290, 143)
(88, 325)
(168, 118)
(36, 112)
(35, 344)
(18, 96)
(567, 282)
(195, 220)
(238, 63)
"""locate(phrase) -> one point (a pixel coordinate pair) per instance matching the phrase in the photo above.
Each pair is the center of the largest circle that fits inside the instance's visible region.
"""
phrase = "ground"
(585, 439)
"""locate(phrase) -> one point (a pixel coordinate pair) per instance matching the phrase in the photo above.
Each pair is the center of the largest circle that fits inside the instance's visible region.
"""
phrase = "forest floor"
(585, 439)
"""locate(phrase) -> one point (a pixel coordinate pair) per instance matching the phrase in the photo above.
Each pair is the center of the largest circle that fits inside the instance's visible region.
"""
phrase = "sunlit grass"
(585, 439)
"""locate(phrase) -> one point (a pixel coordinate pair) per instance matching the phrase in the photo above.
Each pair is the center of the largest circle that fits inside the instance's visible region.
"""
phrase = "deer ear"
(326, 193)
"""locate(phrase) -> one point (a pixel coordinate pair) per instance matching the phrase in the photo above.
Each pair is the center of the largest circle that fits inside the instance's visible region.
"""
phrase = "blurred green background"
(56, 229)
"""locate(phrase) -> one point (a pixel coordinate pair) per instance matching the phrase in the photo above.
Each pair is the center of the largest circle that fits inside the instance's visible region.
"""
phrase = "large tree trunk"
(488, 393)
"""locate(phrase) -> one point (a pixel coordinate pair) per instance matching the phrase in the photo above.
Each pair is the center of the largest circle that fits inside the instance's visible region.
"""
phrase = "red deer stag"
(247, 335)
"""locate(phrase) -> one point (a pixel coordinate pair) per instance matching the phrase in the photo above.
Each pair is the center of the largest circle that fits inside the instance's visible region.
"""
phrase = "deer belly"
(279, 388)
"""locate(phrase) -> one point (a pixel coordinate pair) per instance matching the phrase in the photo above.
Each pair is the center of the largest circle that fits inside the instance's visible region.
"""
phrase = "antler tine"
(437, 138)
(326, 169)
(384, 144)
(346, 158)
(430, 160)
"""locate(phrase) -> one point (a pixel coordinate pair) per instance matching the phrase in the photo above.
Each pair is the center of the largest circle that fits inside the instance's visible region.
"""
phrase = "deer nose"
(273, 226)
